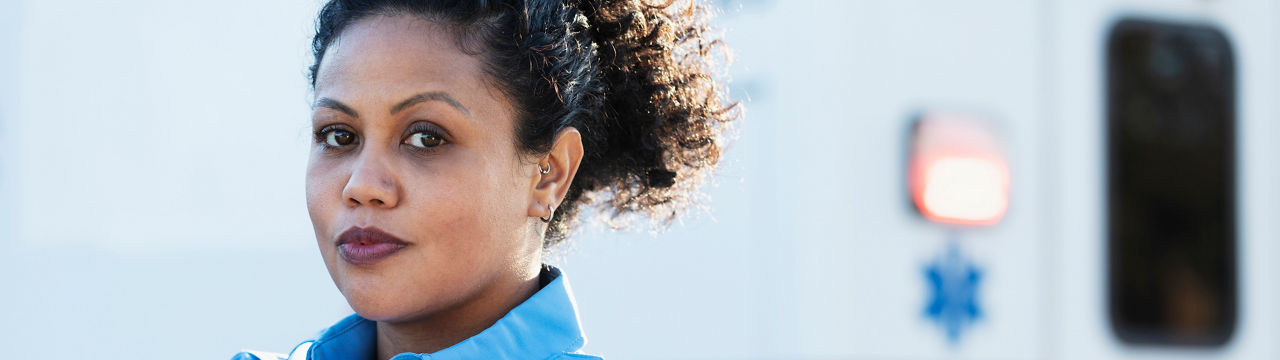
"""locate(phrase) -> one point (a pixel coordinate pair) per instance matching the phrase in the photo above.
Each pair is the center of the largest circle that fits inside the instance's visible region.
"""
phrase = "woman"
(456, 141)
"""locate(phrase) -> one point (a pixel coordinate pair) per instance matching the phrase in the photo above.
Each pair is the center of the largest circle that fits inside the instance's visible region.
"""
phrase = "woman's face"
(411, 141)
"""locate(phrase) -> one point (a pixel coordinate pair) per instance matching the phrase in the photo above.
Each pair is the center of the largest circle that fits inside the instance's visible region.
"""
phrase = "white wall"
(10, 24)
(157, 194)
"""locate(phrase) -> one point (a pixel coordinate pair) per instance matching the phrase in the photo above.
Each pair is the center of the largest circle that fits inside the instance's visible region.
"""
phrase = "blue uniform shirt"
(544, 327)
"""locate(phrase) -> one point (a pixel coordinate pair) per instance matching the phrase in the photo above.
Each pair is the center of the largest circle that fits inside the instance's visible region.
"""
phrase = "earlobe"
(550, 212)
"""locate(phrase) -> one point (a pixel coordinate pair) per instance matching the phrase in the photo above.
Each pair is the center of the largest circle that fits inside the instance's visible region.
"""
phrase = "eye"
(424, 140)
(339, 138)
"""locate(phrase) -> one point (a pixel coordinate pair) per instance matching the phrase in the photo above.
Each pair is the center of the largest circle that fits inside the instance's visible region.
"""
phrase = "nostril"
(376, 202)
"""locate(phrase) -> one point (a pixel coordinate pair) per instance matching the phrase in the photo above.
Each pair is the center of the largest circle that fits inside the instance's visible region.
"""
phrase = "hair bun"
(664, 114)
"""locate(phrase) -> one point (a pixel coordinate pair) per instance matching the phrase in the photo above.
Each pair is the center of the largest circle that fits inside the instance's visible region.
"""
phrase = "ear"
(562, 164)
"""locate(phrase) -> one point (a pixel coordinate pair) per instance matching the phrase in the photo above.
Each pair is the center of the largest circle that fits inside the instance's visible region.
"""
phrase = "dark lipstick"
(366, 246)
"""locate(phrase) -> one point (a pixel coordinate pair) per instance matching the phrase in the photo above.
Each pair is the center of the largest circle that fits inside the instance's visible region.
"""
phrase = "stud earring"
(550, 213)
(544, 171)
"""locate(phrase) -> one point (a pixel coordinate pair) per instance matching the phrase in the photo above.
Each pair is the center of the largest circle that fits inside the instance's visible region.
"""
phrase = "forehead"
(381, 56)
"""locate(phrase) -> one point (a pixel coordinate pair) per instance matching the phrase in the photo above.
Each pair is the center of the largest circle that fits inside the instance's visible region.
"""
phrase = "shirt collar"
(545, 324)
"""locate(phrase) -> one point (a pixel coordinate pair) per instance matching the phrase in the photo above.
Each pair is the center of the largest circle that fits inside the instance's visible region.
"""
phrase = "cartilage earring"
(550, 212)
(544, 171)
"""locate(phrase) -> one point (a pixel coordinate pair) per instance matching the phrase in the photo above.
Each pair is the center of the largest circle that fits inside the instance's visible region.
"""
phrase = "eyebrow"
(430, 96)
(411, 101)
(337, 105)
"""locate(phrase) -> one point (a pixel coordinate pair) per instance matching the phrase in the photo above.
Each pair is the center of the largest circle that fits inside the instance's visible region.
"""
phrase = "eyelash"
(320, 137)
(426, 129)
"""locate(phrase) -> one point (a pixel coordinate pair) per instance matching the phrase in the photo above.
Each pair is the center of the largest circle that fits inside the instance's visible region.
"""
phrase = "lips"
(366, 246)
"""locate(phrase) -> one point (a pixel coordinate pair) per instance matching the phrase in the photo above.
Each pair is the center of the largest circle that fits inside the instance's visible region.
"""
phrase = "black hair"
(638, 80)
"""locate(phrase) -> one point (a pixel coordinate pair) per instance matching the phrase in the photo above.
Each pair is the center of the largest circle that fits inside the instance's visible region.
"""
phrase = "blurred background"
(993, 179)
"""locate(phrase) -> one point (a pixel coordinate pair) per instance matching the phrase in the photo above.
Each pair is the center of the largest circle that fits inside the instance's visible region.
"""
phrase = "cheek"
(475, 201)
(475, 213)
(323, 186)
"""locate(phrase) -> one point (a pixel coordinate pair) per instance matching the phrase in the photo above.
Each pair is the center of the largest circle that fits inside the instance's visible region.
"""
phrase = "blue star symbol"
(953, 282)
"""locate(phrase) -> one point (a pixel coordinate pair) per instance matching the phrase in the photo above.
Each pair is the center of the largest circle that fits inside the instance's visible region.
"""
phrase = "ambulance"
(1008, 179)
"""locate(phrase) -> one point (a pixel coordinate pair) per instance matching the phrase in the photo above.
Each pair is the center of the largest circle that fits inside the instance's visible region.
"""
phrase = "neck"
(440, 330)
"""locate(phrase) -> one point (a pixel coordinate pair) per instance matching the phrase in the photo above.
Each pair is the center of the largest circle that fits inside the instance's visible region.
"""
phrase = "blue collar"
(544, 325)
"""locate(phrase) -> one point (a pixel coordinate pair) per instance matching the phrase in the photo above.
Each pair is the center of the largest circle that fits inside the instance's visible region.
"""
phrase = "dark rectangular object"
(1171, 176)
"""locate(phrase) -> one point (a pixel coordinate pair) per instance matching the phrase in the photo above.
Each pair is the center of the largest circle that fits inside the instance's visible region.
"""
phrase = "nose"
(372, 184)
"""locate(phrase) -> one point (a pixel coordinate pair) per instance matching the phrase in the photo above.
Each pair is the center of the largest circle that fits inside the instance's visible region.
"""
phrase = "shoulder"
(299, 352)
(257, 355)
(575, 356)
(352, 337)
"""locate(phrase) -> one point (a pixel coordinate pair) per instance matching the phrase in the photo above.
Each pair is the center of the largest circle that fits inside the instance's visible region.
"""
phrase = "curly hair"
(638, 80)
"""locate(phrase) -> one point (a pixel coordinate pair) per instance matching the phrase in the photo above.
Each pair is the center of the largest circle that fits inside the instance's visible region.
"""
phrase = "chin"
(384, 298)
(377, 313)
(380, 307)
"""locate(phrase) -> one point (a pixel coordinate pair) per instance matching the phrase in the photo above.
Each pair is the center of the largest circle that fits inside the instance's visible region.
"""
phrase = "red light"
(957, 174)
